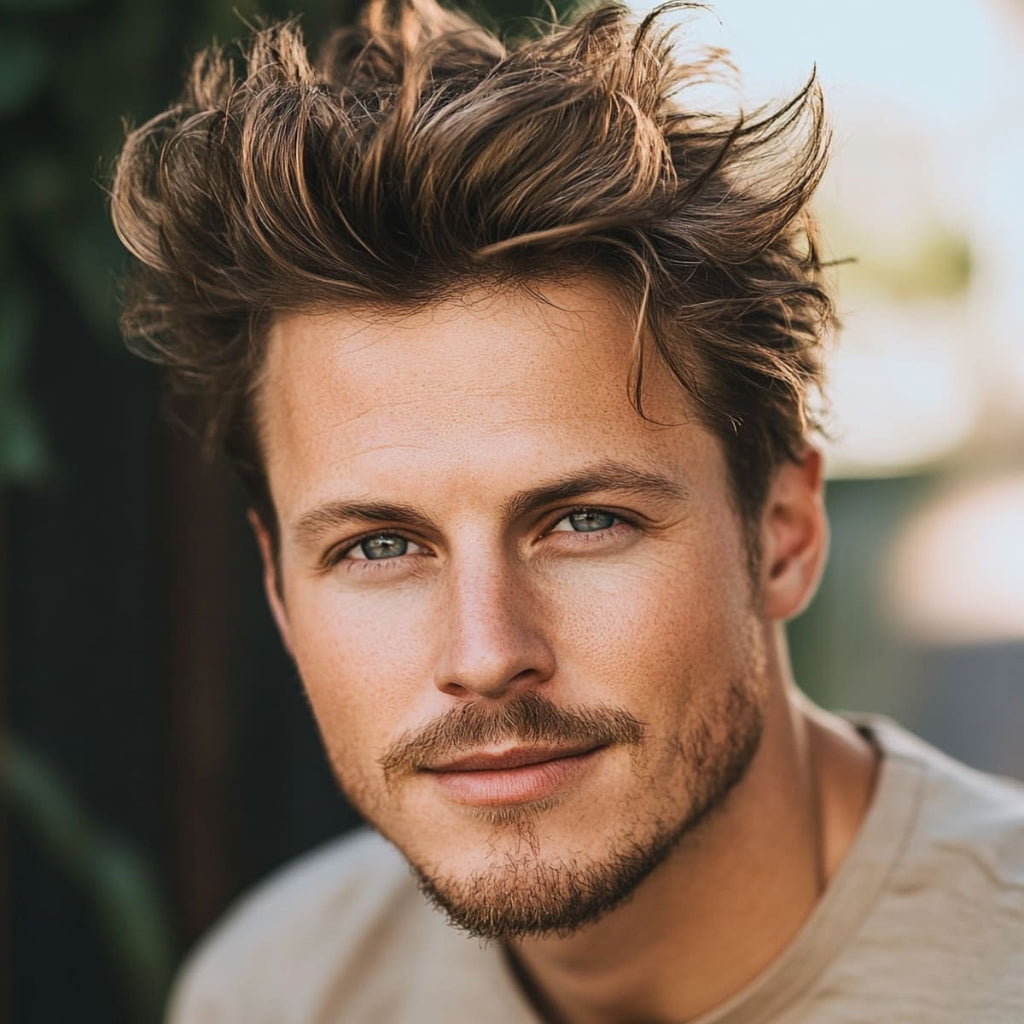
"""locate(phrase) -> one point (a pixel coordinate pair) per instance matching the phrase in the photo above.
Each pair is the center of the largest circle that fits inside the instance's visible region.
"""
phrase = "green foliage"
(23, 453)
(115, 879)
(23, 68)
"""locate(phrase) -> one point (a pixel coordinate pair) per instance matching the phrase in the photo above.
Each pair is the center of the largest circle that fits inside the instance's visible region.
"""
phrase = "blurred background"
(158, 755)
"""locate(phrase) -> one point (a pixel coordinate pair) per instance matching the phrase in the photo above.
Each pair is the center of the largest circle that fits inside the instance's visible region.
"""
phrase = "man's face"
(522, 613)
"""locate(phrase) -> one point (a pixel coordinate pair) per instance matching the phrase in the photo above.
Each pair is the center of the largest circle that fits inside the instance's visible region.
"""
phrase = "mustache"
(526, 718)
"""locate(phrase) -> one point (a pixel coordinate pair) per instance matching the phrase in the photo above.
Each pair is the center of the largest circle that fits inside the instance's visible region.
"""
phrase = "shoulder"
(288, 942)
(964, 814)
(953, 911)
(935, 892)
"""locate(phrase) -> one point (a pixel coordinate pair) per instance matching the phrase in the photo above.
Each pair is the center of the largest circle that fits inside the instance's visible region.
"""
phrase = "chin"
(522, 876)
(529, 893)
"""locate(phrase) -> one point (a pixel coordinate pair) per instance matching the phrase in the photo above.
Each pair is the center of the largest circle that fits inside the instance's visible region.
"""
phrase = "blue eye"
(587, 520)
(381, 545)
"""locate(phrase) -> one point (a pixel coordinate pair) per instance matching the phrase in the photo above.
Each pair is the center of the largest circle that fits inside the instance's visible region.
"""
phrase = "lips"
(518, 757)
(522, 775)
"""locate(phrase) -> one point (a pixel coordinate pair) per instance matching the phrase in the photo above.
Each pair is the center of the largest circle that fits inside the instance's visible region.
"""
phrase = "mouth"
(519, 775)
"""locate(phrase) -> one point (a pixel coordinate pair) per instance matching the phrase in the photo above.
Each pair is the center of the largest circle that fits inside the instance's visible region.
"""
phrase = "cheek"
(660, 628)
(363, 663)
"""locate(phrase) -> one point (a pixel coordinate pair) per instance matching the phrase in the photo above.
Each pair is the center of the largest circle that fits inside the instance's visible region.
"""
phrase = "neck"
(730, 898)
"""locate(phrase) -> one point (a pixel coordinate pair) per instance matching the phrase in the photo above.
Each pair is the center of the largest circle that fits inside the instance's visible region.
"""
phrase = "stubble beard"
(525, 893)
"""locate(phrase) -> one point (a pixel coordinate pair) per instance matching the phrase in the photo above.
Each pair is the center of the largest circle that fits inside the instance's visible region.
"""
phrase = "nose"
(494, 642)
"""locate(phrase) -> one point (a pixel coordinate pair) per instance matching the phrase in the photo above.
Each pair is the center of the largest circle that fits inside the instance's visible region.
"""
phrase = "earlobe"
(794, 536)
(271, 578)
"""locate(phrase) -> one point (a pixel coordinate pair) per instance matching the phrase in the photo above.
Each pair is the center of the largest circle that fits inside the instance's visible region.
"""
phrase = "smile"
(517, 776)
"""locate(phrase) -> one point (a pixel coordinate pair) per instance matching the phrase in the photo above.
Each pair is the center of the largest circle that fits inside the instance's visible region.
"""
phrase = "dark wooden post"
(193, 515)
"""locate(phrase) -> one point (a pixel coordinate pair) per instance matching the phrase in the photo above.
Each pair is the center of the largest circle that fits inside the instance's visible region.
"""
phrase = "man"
(516, 352)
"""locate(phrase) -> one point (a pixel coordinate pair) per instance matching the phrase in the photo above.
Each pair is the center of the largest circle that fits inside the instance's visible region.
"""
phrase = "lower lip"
(526, 784)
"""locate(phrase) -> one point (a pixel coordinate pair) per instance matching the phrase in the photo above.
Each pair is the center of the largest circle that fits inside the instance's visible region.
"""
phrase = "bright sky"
(938, 62)
(926, 100)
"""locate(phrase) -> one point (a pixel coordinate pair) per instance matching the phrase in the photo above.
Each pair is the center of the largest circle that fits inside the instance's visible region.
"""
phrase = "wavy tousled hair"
(419, 154)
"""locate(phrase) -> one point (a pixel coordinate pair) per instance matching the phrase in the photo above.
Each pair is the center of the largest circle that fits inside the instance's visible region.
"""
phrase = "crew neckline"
(853, 891)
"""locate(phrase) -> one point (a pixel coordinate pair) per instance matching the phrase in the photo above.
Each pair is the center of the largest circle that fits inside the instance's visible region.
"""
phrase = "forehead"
(479, 391)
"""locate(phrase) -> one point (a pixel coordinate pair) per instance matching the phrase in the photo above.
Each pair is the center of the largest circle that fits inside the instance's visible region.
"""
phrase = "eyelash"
(592, 536)
(337, 556)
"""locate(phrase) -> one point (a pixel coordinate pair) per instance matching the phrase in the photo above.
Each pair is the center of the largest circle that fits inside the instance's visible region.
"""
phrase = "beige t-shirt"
(923, 923)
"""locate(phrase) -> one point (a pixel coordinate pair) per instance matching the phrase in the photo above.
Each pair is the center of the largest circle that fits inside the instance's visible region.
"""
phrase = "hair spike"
(419, 153)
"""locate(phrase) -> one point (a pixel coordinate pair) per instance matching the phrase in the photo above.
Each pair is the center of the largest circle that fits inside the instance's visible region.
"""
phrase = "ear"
(271, 578)
(794, 536)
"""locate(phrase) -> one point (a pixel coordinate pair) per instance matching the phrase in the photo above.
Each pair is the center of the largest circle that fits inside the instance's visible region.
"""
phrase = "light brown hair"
(419, 155)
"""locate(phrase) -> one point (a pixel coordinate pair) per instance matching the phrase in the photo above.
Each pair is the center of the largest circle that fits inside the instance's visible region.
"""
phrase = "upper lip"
(516, 757)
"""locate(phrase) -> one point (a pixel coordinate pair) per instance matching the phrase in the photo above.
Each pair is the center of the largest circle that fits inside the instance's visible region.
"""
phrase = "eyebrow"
(607, 475)
(332, 514)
